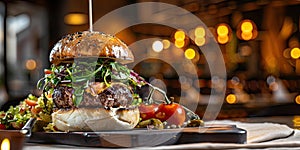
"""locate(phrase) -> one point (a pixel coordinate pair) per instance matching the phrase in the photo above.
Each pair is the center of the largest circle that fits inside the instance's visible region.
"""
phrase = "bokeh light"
(246, 35)
(297, 99)
(222, 30)
(199, 41)
(247, 30)
(199, 32)
(189, 53)
(166, 43)
(30, 64)
(296, 121)
(76, 19)
(247, 26)
(231, 99)
(5, 145)
(157, 46)
(223, 39)
(179, 43)
(295, 53)
(179, 35)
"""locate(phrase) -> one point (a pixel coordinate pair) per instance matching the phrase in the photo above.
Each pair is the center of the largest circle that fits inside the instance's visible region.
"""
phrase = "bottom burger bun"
(95, 119)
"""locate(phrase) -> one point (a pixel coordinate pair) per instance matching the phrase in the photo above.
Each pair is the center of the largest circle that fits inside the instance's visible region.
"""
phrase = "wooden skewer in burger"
(91, 88)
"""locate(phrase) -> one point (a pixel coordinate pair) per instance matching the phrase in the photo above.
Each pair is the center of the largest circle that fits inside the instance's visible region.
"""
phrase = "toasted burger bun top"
(90, 44)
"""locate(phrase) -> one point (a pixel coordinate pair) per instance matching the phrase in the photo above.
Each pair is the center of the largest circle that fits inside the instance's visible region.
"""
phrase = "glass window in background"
(26, 48)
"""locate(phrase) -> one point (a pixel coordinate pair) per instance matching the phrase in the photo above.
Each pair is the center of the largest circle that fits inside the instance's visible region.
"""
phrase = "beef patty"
(96, 95)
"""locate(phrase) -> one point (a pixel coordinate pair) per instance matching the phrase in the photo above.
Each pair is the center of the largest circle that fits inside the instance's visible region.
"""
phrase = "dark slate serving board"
(143, 137)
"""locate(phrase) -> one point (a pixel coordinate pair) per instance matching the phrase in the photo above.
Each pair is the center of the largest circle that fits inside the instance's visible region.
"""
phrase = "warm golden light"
(223, 39)
(5, 145)
(295, 53)
(76, 19)
(179, 35)
(247, 26)
(246, 35)
(296, 121)
(30, 64)
(190, 53)
(166, 44)
(247, 30)
(297, 99)
(231, 99)
(157, 46)
(200, 41)
(199, 32)
(222, 30)
(179, 43)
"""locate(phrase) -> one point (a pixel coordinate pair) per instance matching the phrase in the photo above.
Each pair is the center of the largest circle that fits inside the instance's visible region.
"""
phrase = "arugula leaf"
(78, 95)
(80, 73)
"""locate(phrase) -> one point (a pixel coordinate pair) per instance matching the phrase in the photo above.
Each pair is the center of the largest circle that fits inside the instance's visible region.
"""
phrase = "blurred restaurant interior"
(259, 40)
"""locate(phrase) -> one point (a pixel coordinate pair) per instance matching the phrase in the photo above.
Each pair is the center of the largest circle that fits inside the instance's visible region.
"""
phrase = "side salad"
(32, 107)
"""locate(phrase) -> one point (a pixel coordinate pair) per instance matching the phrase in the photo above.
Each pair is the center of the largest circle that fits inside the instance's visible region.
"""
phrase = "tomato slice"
(47, 71)
(2, 127)
(148, 111)
(30, 102)
(35, 110)
(171, 113)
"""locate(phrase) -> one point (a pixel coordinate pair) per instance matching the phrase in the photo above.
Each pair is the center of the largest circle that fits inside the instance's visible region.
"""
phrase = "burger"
(90, 85)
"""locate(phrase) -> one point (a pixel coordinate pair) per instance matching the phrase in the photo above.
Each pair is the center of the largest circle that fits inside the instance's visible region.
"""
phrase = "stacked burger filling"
(89, 81)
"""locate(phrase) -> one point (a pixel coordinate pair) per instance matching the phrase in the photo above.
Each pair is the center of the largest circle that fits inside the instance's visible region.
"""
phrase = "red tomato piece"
(47, 71)
(2, 127)
(35, 110)
(30, 102)
(22, 110)
(148, 111)
(171, 113)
